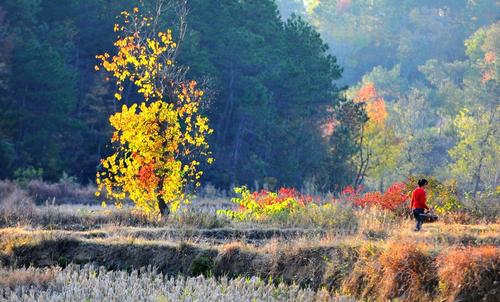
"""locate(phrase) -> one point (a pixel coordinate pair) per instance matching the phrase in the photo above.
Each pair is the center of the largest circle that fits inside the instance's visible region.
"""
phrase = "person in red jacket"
(418, 203)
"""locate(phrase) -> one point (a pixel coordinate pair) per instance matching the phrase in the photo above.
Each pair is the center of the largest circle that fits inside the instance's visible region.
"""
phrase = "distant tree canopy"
(270, 82)
(368, 33)
(433, 65)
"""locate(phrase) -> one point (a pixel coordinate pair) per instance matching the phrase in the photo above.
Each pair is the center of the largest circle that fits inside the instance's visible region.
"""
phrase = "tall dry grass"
(15, 203)
(401, 270)
(62, 192)
(408, 270)
(96, 284)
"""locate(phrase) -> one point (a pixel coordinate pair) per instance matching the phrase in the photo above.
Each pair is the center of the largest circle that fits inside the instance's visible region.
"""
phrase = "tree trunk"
(483, 143)
(363, 165)
(163, 206)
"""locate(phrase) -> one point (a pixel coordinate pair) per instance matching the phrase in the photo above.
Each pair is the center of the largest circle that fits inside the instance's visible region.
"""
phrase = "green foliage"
(344, 144)
(7, 157)
(273, 83)
(413, 52)
(62, 261)
(24, 176)
(484, 204)
(476, 153)
(442, 196)
(252, 208)
(366, 33)
(287, 207)
(474, 43)
(272, 79)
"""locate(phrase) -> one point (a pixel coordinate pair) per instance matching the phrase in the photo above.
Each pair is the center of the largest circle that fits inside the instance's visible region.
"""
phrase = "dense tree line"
(271, 81)
(423, 96)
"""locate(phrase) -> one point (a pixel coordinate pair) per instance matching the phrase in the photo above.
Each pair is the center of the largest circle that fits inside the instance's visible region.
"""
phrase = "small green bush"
(24, 176)
(201, 265)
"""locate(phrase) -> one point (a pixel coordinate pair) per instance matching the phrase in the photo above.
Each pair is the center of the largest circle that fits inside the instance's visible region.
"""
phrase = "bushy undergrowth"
(337, 216)
(288, 207)
(265, 204)
(65, 191)
(392, 199)
(485, 205)
(62, 192)
(92, 284)
(470, 274)
(10, 279)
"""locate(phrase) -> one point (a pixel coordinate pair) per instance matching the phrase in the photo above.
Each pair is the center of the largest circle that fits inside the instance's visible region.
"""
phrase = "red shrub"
(351, 193)
(392, 199)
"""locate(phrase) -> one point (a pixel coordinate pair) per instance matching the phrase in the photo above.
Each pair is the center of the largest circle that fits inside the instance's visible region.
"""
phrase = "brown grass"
(403, 270)
(15, 212)
(408, 271)
(238, 259)
(440, 234)
(29, 277)
(470, 274)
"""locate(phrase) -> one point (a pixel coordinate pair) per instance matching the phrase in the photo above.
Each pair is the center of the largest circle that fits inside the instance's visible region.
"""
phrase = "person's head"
(422, 182)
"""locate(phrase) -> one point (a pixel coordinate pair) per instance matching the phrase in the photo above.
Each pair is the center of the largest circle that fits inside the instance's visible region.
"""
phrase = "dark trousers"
(417, 213)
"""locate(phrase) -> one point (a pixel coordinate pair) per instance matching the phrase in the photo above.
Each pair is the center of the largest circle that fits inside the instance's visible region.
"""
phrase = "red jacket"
(418, 199)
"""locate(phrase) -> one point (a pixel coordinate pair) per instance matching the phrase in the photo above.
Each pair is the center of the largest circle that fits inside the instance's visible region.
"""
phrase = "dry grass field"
(74, 252)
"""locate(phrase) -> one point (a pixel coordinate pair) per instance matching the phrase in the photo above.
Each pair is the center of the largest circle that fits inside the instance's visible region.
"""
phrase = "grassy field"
(73, 252)
(200, 256)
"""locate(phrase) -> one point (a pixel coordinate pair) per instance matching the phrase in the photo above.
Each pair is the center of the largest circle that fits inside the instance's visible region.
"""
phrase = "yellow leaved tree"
(159, 140)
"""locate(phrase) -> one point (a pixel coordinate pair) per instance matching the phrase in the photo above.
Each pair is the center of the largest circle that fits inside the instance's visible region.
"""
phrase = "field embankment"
(402, 264)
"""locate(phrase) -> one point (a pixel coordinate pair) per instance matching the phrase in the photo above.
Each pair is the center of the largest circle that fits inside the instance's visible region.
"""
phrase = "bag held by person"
(430, 217)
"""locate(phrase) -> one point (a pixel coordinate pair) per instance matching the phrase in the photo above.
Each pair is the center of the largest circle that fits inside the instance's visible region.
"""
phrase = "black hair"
(422, 182)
